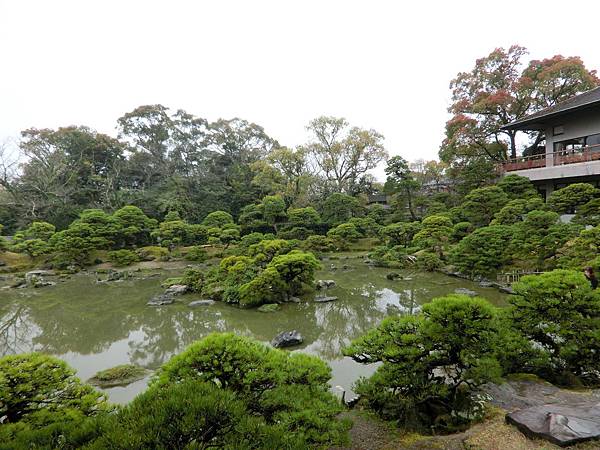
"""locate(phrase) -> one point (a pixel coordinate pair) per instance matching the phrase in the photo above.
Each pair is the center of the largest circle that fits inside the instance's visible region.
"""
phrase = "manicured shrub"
(570, 198)
(193, 279)
(400, 233)
(516, 210)
(37, 230)
(33, 247)
(482, 204)
(537, 239)
(429, 261)
(431, 363)
(197, 254)
(299, 233)
(253, 281)
(253, 238)
(319, 244)
(77, 242)
(34, 239)
(190, 414)
(366, 226)
(295, 269)
(516, 186)
(460, 230)
(265, 251)
(345, 232)
(589, 214)
(123, 257)
(560, 313)
(133, 227)
(434, 235)
(289, 391)
(38, 388)
(172, 233)
(581, 251)
(484, 251)
(217, 219)
(302, 217)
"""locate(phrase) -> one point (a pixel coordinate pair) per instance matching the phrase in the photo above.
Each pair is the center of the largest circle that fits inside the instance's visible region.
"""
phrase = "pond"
(95, 326)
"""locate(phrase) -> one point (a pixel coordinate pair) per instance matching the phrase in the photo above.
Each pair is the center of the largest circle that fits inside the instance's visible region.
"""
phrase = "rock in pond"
(38, 273)
(18, 282)
(506, 289)
(269, 307)
(176, 289)
(560, 424)
(206, 302)
(42, 283)
(161, 299)
(464, 291)
(324, 284)
(294, 299)
(325, 299)
(287, 339)
(393, 276)
(118, 376)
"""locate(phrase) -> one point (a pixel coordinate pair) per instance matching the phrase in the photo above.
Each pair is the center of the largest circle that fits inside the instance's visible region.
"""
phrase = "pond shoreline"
(97, 325)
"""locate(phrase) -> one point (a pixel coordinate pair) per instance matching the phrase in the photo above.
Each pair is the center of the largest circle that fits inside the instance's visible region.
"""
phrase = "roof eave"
(541, 122)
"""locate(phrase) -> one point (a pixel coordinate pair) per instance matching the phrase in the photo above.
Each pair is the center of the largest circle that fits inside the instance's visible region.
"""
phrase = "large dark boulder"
(287, 339)
(560, 424)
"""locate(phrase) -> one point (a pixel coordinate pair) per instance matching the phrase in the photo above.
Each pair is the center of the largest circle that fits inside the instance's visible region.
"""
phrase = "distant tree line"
(165, 161)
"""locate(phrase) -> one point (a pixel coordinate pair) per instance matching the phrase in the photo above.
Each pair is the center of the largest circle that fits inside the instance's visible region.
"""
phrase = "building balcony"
(560, 164)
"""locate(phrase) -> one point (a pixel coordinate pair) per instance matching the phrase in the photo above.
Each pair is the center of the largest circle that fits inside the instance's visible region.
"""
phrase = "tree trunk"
(410, 206)
(513, 144)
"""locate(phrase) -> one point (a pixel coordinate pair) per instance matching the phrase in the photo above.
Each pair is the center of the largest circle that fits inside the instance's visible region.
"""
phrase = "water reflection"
(95, 326)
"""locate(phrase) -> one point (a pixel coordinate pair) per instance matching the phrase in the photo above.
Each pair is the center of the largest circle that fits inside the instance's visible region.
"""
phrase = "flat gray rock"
(161, 299)
(39, 273)
(506, 289)
(207, 302)
(464, 291)
(325, 299)
(560, 424)
(287, 339)
(176, 289)
(269, 308)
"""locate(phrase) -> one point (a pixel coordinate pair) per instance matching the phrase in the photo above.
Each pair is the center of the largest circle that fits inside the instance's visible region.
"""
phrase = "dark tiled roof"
(589, 98)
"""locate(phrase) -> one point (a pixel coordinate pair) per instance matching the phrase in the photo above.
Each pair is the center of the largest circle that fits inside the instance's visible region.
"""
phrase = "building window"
(569, 145)
(593, 140)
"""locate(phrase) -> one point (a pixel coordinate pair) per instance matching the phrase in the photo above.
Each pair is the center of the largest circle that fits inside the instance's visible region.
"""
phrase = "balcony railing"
(561, 157)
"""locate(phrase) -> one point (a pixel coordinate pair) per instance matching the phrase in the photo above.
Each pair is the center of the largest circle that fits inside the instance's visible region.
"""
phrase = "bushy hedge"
(560, 313)
(123, 257)
(431, 363)
(269, 271)
(223, 391)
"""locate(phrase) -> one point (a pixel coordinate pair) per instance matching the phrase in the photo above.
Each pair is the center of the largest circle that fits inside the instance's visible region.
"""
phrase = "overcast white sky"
(381, 64)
